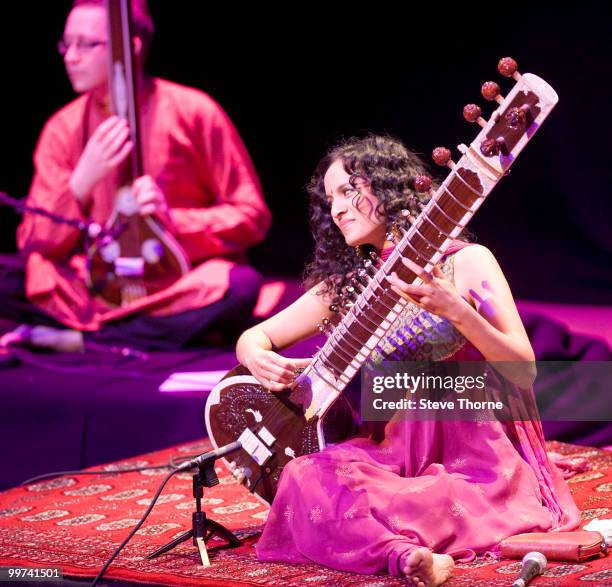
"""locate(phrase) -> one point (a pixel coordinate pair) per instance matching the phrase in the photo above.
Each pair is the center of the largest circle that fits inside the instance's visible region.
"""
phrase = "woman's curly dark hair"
(389, 168)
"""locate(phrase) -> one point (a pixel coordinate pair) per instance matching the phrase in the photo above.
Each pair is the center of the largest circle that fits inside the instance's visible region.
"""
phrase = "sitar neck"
(369, 318)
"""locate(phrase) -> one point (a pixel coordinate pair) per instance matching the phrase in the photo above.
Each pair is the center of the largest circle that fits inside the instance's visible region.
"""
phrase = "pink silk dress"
(455, 487)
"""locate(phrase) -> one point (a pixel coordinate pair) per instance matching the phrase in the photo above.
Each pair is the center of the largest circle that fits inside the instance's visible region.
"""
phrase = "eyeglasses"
(82, 45)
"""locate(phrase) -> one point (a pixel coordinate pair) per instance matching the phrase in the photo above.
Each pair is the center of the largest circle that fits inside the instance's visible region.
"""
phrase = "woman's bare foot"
(427, 569)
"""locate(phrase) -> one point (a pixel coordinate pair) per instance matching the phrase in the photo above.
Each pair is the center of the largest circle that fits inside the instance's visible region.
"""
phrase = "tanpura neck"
(101, 95)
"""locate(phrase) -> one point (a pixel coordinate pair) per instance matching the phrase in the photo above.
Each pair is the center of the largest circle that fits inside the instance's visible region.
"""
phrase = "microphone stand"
(91, 230)
(202, 528)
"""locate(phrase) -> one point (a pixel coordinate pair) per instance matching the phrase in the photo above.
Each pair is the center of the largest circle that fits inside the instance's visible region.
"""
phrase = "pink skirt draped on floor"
(455, 487)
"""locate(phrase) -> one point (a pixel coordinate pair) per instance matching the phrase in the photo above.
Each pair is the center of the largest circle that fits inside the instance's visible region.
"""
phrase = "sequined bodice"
(418, 335)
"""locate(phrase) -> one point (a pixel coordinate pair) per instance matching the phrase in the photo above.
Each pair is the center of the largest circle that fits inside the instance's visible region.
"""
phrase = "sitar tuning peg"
(369, 267)
(391, 237)
(472, 113)
(325, 326)
(490, 91)
(508, 67)
(348, 296)
(363, 275)
(516, 118)
(493, 147)
(442, 157)
(408, 216)
(357, 285)
(420, 183)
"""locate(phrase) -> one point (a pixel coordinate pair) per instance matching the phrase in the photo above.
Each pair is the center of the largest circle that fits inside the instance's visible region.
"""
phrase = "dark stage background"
(295, 78)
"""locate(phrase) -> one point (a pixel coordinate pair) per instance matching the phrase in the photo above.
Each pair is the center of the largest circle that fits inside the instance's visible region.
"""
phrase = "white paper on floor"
(192, 381)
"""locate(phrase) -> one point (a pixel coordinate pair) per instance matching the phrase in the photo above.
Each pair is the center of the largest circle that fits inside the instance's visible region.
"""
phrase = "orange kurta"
(195, 154)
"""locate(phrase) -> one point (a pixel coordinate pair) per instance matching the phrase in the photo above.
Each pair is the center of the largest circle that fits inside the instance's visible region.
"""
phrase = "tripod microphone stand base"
(202, 529)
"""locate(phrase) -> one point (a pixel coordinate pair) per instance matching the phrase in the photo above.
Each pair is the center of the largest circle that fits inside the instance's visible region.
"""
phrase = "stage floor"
(70, 411)
(76, 522)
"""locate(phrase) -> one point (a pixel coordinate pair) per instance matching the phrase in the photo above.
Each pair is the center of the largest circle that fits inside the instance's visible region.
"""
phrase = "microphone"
(215, 454)
(532, 565)
(92, 229)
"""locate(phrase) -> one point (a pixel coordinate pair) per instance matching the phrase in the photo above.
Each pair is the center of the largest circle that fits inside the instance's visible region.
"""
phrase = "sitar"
(275, 428)
(139, 257)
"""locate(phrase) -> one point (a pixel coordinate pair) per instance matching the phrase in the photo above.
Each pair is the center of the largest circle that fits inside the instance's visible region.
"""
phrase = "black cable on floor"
(172, 464)
(134, 529)
(61, 473)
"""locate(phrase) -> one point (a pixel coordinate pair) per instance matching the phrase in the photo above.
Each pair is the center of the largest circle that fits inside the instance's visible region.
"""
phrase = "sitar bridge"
(129, 266)
(256, 445)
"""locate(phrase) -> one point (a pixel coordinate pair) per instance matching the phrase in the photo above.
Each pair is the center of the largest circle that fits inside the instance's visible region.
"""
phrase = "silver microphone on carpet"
(215, 454)
(532, 565)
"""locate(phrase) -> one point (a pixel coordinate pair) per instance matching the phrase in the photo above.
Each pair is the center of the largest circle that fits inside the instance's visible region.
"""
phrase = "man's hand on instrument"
(108, 146)
(436, 294)
(274, 371)
(149, 196)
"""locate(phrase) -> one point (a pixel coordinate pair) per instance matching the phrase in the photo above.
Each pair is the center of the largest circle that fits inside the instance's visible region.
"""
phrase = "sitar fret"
(435, 226)
(361, 333)
(335, 366)
(346, 333)
(430, 233)
(441, 218)
(372, 306)
(422, 246)
(338, 345)
(365, 320)
(413, 254)
(452, 206)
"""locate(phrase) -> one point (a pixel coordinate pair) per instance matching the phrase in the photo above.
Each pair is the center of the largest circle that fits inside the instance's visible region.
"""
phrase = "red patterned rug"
(77, 522)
